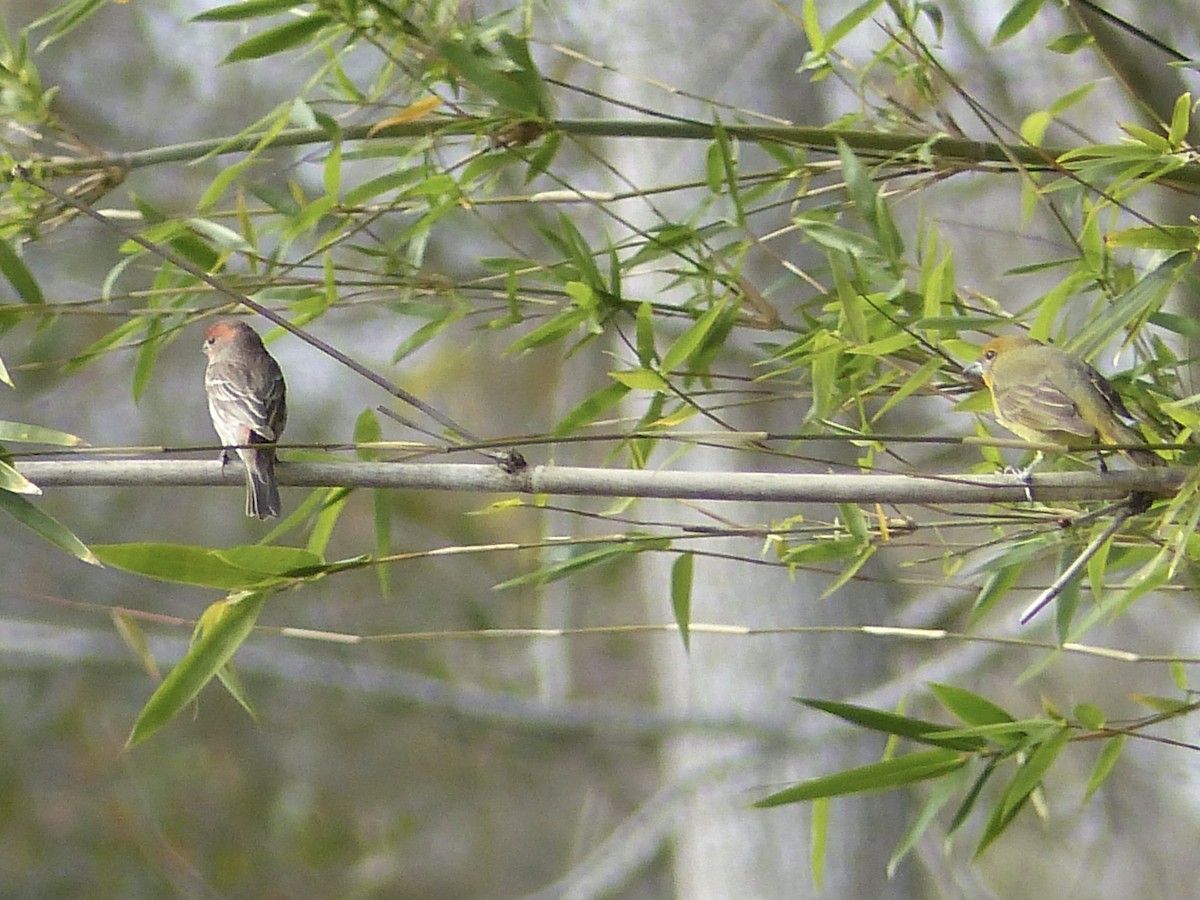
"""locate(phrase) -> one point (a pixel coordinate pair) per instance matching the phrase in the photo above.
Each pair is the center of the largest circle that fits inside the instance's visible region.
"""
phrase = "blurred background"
(600, 765)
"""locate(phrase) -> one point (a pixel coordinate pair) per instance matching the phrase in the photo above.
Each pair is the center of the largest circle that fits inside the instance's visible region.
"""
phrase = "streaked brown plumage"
(248, 405)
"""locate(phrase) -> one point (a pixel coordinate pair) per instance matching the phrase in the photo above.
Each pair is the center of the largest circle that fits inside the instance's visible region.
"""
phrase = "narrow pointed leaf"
(880, 776)
(47, 526)
(205, 658)
(681, 595)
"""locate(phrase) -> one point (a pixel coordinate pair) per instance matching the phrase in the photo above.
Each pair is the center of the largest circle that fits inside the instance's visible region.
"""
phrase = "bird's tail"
(262, 493)
(1146, 458)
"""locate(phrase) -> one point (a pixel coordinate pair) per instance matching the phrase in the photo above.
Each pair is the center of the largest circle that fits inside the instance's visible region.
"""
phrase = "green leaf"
(146, 356)
(865, 552)
(1108, 757)
(367, 430)
(325, 519)
(834, 237)
(233, 685)
(881, 776)
(681, 595)
(1170, 238)
(204, 660)
(14, 481)
(968, 803)
(1179, 676)
(1018, 16)
(939, 795)
(861, 188)
(22, 280)
(819, 552)
(854, 521)
(580, 561)
(645, 334)
(914, 383)
(278, 39)
(1027, 778)
(1089, 715)
(1152, 140)
(222, 237)
(66, 17)
(590, 409)
(47, 526)
(969, 707)
(1070, 43)
(812, 26)
(691, 340)
(526, 73)
(558, 327)
(640, 380)
(1164, 705)
(727, 172)
(135, 639)
(818, 841)
(250, 9)
(234, 568)
(849, 22)
(891, 723)
(1180, 120)
(493, 76)
(540, 161)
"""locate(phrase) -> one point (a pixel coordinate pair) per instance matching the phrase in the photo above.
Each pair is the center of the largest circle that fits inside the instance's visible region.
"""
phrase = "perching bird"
(246, 399)
(1046, 395)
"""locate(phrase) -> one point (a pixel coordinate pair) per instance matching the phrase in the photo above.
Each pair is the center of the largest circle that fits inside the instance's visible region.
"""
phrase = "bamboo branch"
(713, 485)
(945, 150)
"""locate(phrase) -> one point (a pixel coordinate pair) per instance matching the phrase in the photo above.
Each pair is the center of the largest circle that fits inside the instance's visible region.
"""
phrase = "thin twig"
(1047, 596)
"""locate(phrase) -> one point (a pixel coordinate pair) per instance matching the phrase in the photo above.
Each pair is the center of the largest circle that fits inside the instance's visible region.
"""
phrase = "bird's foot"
(1026, 475)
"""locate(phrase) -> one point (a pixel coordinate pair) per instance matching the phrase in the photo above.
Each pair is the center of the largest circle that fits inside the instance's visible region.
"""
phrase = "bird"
(1046, 395)
(247, 400)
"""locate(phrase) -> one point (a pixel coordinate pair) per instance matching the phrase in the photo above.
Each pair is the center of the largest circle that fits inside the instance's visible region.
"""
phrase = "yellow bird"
(1046, 395)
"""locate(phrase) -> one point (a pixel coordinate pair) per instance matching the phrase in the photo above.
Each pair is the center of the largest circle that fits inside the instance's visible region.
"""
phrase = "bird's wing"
(258, 410)
(1042, 406)
(1110, 395)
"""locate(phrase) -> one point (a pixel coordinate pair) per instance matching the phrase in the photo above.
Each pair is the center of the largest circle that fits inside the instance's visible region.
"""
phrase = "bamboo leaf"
(891, 723)
(681, 595)
(881, 776)
(47, 526)
(234, 568)
(18, 275)
(969, 707)
(1109, 754)
(1018, 16)
(204, 660)
(250, 9)
(277, 40)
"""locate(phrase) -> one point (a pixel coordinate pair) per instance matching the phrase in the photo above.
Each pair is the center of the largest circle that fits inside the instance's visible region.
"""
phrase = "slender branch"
(753, 486)
(1046, 597)
(869, 143)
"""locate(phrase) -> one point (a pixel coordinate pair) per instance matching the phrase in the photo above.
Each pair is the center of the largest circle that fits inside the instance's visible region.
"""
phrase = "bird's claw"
(1026, 476)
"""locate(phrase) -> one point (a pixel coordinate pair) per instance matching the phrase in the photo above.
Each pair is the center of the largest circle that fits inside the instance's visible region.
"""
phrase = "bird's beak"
(974, 370)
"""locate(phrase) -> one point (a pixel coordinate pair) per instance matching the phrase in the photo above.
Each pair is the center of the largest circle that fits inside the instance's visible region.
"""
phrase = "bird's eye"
(989, 355)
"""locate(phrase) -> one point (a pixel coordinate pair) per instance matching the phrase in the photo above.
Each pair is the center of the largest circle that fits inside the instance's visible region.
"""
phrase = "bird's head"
(993, 350)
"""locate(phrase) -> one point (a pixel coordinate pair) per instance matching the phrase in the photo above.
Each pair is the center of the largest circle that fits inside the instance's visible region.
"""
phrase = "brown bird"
(247, 403)
(1046, 395)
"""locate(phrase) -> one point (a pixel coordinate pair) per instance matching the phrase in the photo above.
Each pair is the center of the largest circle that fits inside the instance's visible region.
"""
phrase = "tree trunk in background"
(721, 847)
